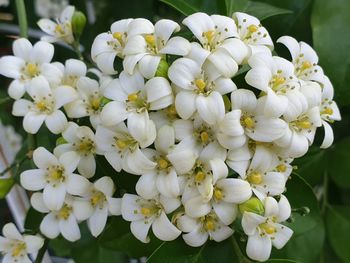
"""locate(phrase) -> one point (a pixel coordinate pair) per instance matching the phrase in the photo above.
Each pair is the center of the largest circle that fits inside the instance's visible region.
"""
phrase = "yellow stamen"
(118, 36)
(56, 174)
(150, 39)
(146, 211)
(254, 178)
(327, 111)
(253, 28)
(306, 65)
(249, 122)
(204, 136)
(18, 249)
(132, 97)
(281, 168)
(162, 163)
(268, 228)
(278, 80)
(209, 35)
(97, 198)
(64, 212)
(304, 124)
(218, 194)
(199, 177)
(209, 225)
(200, 84)
(59, 29)
(32, 69)
(121, 144)
(41, 105)
(95, 103)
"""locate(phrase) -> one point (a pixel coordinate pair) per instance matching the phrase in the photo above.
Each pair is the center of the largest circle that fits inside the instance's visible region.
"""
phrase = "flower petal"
(33, 180)
(97, 221)
(259, 247)
(69, 228)
(49, 226)
(163, 229)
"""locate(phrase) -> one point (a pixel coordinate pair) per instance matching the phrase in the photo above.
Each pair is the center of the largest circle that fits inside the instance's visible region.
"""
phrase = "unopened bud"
(253, 205)
(162, 70)
(60, 141)
(78, 23)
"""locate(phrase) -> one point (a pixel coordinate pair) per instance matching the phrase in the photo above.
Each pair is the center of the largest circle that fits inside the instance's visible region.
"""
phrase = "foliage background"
(321, 182)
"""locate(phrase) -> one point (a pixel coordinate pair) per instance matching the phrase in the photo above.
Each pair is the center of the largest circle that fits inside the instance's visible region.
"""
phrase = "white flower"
(199, 229)
(121, 147)
(27, 63)
(201, 90)
(266, 231)
(274, 76)
(145, 213)
(55, 176)
(97, 204)
(89, 102)
(82, 147)
(238, 159)
(60, 30)
(107, 46)
(304, 58)
(49, 8)
(148, 49)
(252, 33)
(14, 247)
(62, 220)
(44, 107)
(247, 109)
(220, 47)
(71, 71)
(133, 98)
(329, 112)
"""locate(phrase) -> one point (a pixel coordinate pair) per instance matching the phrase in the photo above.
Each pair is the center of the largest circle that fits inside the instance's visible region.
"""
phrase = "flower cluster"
(207, 152)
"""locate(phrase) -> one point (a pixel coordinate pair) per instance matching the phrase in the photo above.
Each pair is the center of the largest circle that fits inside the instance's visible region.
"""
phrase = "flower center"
(137, 102)
(18, 248)
(97, 198)
(302, 123)
(64, 212)
(253, 28)
(95, 103)
(32, 69)
(254, 178)
(327, 111)
(55, 174)
(163, 163)
(281, 168)
(200, 84)
(276, 81)
(199, 176)
(118, 36)
(59, 29)
(85, 146)
(247, 122)
(126, 143)
(267, 228)
(209, 222)
(218, 194)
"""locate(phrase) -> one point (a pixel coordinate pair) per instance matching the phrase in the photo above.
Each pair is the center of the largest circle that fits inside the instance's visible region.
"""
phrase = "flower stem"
(75, 46)
(22, 18)
(41, 253)
(17, 164)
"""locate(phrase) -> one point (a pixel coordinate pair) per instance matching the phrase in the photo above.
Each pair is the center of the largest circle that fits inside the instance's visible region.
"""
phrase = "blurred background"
(321, 23)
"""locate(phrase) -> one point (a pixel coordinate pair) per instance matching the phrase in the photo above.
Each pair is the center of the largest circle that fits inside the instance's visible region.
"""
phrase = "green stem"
(5, 100)
(22, 18)
(239, 254)
(75, 46)
(17, 164)
(41, 253)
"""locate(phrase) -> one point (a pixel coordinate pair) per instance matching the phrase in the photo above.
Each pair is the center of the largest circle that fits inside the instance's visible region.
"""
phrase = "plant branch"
(16, 164)
(22, 18)
(41, 253)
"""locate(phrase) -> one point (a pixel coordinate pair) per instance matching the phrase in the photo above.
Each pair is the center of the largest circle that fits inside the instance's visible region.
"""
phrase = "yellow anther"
(121, 144)
(132, 97)
(32, 69)
(327, 111)
(254, 178)
(118, 36)
(95, 103)
(64, 212)
(306, 65)
(172, 110)
(281, 168)
(303, 124)
(204, 136)
(218, 194)
(200, 84)
(199, 177)
(209, 35)
(209, 225)
(278, 80)
(41, 105)
(249, 122)
(97, 198)
(253, 28)
(56, 174)
(162, 163)
(18, 249)
(268, 228)
(59, 29)
(146, 211)
(150, 39)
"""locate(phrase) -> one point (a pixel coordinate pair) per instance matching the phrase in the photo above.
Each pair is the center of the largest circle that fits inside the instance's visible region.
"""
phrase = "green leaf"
(339, 165)
(235, 5)
(338, 229)
(33, 220)
(282, 261)
(308, 237)
(182, 6)
(331, 35)
(5, 186)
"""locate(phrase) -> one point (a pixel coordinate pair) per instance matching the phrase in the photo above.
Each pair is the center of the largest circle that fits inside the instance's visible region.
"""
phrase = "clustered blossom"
(203, 147)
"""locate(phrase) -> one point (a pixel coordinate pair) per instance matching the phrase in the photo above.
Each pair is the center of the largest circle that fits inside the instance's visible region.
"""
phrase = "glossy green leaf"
(182, 6)
(331, 35)
(339, 165)
(338, 229)
(235, 5)
(33, 219)
(282, 261)
(6, 186)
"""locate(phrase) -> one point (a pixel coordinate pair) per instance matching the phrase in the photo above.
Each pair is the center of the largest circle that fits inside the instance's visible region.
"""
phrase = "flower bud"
(162, 70)
(78, 23)
(60, 141)
(253, 205)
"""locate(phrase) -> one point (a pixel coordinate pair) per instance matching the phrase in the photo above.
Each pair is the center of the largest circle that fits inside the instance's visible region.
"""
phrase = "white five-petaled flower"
(59, 30)
(44, 107)
(80, 143)
(27, 63)
(55, 176)
(201, 90)
(252, 33)
(132, 98)
(154, 44)
(220, 46)
(62, 220)
(71, 71)
(15, 247)
(267, 231)
(145, 213)
(97, 204)
(199, 229)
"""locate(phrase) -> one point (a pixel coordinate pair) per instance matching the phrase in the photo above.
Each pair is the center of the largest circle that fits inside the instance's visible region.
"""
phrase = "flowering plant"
(182, 130)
